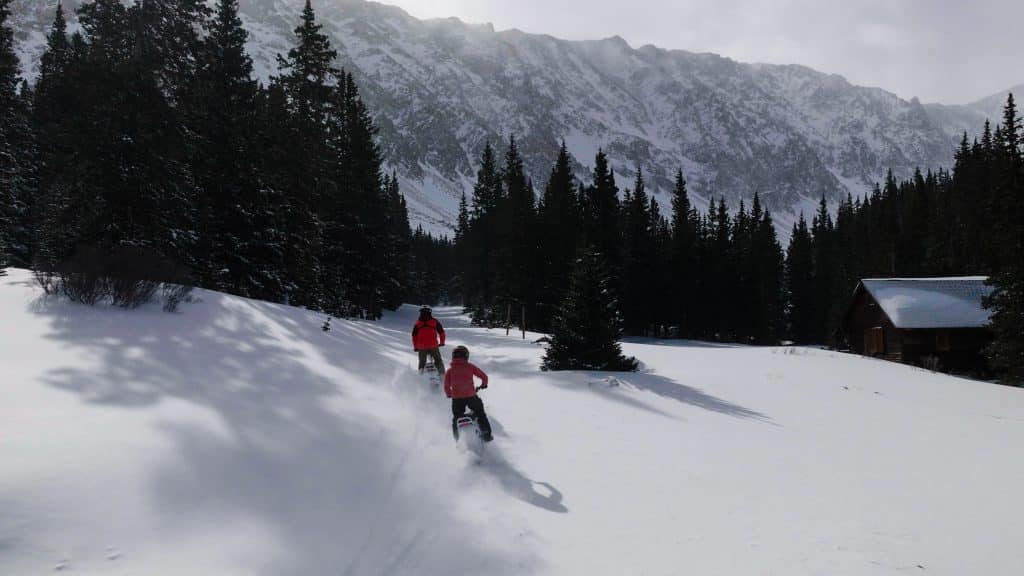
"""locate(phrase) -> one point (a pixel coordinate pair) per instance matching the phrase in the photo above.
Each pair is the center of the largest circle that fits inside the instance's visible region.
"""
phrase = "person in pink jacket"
(461, 388)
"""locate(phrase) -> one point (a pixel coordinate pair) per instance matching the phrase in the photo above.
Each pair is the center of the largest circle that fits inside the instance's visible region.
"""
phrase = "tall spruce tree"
(661, 275)
(767, 259)
(462, 250)
(826, 261)
(224, 114)
(518, 248)
(601, 212)
(17, 156)
(587, 326)
(482, 241)
(1007, 299)
(637, 256)
(684, 259)
(558, 235)
(306, 76)
(800, 285)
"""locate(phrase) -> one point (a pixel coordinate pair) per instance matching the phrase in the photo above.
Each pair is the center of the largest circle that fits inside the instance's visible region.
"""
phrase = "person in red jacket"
(425, 334)
(461, 388)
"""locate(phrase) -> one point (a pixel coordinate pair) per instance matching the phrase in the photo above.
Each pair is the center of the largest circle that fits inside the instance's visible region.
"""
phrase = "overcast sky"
(949, 51)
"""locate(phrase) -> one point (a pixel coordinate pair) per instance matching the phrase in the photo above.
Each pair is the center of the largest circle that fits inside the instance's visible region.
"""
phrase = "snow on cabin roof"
(932, 302)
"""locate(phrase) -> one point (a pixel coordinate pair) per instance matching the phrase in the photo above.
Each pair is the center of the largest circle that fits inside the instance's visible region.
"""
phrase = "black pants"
(475, 404)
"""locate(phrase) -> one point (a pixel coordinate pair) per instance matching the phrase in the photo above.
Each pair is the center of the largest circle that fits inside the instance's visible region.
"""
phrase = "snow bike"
(432, 376)
(469, 437)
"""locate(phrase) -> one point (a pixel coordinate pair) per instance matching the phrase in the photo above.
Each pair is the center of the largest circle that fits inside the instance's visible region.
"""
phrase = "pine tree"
(483, 241)
(767, 278)
(518, 248)
(305, 81)
(462, 249)
(558, 235)
(601, 212)
(224, 114)
(800, 311)
(358, 220)
(827, 300)
(684, 255)
(1006, 352)
(636, 260)
(587, 326)
(17, 156)
(720, 287)
(661, 274)
(397, 251)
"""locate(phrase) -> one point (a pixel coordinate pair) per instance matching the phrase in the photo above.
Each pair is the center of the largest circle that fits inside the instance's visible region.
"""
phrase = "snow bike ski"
(432, 376)
(469, 437)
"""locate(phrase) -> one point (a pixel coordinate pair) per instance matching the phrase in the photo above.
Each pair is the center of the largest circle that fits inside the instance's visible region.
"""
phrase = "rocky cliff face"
(441, 88)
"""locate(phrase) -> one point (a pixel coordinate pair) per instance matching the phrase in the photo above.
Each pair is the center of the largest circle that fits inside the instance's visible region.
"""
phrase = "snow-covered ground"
(236, 437)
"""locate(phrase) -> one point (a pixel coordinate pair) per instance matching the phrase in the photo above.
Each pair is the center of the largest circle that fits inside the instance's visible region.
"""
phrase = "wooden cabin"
(939, 323)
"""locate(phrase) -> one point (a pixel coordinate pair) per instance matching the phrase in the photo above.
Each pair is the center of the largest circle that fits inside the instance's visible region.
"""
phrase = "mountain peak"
(441, 88)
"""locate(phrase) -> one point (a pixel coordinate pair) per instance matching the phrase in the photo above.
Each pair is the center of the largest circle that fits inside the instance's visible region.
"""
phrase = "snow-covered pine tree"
(222, 114)
(462, 250)
(305, 79)
(17, 154)
(54, 108)
(364, 228)
(587, 326)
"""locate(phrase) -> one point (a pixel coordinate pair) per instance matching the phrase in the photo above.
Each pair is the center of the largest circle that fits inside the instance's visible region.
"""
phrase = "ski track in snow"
(236, 437)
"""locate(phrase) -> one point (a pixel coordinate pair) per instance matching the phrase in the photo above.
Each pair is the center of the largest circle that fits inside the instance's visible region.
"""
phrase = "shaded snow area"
(236, 437)
(932, 302)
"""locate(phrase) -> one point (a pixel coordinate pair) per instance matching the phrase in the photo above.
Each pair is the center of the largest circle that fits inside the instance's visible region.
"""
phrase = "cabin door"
(874, 341)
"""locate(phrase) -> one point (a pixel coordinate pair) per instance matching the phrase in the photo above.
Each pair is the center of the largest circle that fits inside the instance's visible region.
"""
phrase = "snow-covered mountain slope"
(236, 437)
(970, 117)
(441, 88)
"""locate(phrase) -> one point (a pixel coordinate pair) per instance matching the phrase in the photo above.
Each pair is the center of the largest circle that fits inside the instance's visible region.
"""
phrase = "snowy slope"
(237, 438)
(441, 88)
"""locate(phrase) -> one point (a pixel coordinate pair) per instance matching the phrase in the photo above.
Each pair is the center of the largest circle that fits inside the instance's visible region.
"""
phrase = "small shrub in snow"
(126, 276)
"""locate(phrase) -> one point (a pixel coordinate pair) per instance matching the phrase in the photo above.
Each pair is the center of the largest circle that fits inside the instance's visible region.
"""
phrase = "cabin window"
(874, 341)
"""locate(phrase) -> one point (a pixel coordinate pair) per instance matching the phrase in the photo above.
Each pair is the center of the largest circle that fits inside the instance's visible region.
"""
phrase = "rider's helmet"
(461, 352)
(426, 313)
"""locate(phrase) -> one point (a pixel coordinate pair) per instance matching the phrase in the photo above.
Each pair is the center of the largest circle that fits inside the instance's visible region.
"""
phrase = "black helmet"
(426, 313)
(461, 352)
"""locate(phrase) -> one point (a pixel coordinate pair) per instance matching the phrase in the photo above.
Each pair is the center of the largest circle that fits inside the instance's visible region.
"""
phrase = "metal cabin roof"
(932, 302)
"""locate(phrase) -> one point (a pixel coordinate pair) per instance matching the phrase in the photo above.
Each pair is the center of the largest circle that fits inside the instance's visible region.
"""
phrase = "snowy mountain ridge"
(441, 88)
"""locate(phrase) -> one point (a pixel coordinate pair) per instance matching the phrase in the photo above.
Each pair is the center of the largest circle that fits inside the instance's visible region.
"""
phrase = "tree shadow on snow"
(668, 388)
(285, 448)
